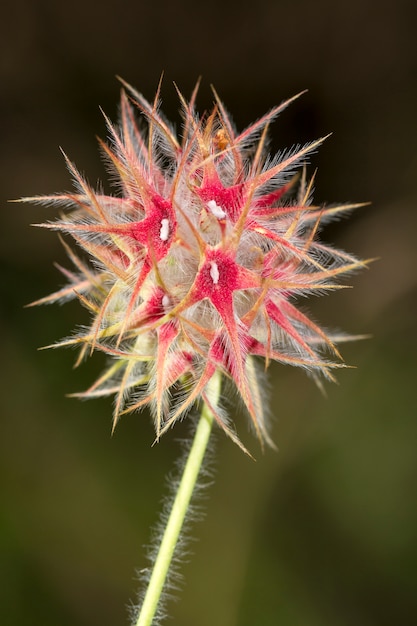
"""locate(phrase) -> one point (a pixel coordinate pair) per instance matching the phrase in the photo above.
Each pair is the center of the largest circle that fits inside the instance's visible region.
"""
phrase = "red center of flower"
(157, 228)
(218, 277)
(229, 199)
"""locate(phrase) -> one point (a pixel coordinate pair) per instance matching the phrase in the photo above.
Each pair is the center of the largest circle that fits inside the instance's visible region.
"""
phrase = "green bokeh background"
(322, 533)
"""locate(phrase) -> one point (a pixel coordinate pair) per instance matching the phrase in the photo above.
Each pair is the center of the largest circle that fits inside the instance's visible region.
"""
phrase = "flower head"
(194, 265)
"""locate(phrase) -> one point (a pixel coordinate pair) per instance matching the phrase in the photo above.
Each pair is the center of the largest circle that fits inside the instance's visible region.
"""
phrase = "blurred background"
(321, 533)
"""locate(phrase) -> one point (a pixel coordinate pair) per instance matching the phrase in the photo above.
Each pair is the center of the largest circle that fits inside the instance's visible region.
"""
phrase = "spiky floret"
(195, 264)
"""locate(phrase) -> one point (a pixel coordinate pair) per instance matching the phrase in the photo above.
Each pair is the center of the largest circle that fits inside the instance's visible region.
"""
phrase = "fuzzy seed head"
(195, 263)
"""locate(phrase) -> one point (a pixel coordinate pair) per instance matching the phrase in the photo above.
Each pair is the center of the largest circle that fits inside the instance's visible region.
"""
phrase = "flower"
(194, 265)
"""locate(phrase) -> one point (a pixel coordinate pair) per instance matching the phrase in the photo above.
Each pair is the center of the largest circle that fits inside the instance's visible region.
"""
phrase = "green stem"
(179, 508)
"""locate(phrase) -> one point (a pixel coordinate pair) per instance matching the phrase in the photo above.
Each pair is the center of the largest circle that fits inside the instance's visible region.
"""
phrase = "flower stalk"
(179, 508)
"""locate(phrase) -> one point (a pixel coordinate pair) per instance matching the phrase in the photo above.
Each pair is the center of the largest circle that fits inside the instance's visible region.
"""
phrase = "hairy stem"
(179, 508)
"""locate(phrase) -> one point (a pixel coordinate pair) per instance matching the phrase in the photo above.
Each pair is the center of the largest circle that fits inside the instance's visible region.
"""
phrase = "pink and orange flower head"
(194, 266)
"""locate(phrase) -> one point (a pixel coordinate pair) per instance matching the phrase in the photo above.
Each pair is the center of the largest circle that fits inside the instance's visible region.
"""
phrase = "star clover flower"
(193, 267)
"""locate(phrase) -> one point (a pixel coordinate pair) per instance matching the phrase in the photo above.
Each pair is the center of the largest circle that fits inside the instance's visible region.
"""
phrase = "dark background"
(322, 533)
